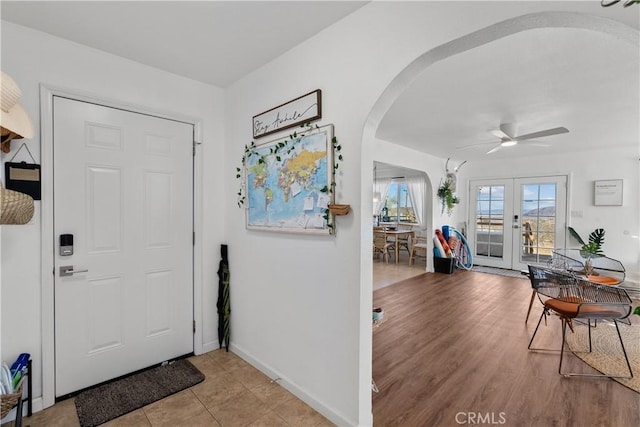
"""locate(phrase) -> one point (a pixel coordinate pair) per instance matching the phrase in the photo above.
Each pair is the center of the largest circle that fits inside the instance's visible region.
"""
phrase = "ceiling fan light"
(508, 143)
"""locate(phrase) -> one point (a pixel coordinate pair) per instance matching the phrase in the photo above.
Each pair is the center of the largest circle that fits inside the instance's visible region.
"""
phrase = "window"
(398, 204)
(490, 220)
(539, 212)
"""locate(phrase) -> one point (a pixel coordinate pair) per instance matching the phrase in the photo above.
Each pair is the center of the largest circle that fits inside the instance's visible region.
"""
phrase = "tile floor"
(233, 393)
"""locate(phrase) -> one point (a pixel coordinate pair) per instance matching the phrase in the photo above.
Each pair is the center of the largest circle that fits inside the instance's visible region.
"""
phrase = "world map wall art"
(288, 182)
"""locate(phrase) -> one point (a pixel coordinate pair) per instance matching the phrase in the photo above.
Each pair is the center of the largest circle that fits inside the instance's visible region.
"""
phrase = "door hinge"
(194, 148)
(194, 326)
(194, 238)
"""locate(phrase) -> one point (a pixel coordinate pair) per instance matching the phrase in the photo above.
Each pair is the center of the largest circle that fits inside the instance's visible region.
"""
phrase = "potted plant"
(591, 249)
(447, 197)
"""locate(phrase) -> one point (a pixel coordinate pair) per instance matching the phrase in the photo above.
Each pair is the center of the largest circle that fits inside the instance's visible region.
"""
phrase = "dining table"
(397, 234)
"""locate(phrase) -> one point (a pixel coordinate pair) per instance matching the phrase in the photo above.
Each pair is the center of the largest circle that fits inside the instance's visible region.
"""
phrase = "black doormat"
(106, 402)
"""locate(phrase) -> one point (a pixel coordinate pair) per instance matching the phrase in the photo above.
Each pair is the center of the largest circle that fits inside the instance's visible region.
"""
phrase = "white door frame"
(48, 241)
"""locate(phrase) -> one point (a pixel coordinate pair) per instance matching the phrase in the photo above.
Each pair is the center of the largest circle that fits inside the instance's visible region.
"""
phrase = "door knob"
(68, 270)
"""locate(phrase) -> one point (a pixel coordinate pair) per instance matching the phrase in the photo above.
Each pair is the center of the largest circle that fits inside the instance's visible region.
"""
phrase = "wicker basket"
(8, 401)
(339, 209)
(15, 207)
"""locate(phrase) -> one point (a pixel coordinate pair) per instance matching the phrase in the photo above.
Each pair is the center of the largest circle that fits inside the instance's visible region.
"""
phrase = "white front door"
(123, 188)
(516, 222)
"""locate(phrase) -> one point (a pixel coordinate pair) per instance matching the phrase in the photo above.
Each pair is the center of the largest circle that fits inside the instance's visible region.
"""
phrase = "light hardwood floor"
(453, 349)
(388, 273)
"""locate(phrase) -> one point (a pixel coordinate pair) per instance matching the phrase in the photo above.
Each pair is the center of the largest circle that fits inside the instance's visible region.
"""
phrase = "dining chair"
(381, 245)
(403, 240)
(573, 298)
(419, 244)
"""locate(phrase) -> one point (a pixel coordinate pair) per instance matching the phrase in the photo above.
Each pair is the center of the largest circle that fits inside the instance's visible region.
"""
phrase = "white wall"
(32, 58)
(621, 223)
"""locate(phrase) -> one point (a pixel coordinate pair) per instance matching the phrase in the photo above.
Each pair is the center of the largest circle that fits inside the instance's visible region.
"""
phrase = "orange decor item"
(603, 280)
(445, 245)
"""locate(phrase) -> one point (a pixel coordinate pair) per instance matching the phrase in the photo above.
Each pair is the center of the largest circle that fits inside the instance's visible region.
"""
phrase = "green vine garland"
(286, 147)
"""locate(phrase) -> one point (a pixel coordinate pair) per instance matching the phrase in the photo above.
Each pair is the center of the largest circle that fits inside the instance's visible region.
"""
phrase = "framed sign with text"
(608, 192)
(303, 109)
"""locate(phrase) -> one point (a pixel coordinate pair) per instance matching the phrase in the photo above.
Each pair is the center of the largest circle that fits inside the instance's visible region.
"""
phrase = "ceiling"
(534, 80)
(584, 81)
(215, 42)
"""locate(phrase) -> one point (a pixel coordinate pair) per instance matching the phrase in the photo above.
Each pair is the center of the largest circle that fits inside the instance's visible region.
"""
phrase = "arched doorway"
(404, 79)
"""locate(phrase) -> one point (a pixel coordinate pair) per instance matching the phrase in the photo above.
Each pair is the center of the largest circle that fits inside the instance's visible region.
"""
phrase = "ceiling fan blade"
(548, 132)
(475, 145)
(499, 133)
(494, 149)
(508, 129)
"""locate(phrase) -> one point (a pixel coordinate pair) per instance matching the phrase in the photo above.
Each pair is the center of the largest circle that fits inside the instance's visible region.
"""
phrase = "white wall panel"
(158, 313)
(104, 209)
(157, 209)
(104, 316)
(103, 136)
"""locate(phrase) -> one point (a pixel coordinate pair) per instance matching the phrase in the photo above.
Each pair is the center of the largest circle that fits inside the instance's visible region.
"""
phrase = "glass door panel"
(542, 219)
(491, 240)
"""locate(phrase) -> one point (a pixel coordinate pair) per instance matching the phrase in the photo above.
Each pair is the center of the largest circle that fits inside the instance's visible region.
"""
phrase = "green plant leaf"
(576, 236)
(597, 237)
(637, 311)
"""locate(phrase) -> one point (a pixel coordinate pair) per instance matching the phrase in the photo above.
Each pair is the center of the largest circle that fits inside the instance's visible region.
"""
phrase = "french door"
(516, 222)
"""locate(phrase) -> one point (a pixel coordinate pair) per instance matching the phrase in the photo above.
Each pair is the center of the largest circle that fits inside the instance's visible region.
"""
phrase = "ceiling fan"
(507, 140)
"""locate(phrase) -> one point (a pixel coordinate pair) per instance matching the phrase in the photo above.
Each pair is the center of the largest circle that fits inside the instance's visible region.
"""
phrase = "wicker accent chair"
(403, 241)
(380, 244)
(419, 244)
(573, 298)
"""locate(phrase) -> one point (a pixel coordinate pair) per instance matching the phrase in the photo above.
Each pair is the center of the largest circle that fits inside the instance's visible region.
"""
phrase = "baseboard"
(296, 390)
(37, 407)
(210, 346)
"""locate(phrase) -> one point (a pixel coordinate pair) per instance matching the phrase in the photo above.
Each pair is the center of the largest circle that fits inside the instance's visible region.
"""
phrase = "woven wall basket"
(339, 209)
(15, 207)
